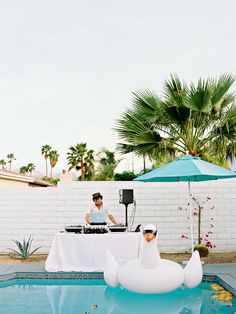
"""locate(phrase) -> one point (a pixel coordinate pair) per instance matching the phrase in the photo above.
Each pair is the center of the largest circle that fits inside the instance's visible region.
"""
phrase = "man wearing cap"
(98, 206)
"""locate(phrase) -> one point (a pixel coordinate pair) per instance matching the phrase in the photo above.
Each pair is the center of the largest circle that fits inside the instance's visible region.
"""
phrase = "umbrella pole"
(190, 217)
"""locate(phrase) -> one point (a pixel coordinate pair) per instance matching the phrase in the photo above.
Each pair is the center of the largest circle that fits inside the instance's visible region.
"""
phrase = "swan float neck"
(150, 257)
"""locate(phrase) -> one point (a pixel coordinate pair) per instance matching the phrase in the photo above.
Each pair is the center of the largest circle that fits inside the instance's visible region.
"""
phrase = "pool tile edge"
(224, 280)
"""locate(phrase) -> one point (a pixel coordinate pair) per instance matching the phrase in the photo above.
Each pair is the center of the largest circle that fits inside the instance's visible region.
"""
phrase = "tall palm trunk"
(51, 172)
(46, 159)
(144, 164)
(132, 162)
(199, 224)
(82, 170)
(9, 166)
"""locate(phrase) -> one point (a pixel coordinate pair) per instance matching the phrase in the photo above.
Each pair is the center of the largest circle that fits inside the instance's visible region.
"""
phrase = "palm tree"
(89, 165)
(200, 118)
(107, 165)
(30, 168)
(45, 151)
(10, 158)
(53, 157)
(3, 163)
(79, 157)
(23, 170)
(138, 133)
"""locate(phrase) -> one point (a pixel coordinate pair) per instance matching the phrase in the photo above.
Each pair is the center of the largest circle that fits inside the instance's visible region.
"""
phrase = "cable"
(132, 216)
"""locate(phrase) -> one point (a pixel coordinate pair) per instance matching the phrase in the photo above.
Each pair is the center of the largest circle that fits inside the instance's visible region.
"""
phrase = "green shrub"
(125, 176)
(53, 181)
(24, 248)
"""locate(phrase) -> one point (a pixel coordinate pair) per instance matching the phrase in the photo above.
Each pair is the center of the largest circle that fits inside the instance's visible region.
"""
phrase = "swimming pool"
(66, 296)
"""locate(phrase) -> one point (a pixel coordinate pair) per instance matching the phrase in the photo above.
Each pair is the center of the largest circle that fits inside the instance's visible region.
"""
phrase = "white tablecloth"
(86, 252)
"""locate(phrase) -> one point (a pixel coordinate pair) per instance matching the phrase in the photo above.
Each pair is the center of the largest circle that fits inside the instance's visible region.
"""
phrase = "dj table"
(86, 252)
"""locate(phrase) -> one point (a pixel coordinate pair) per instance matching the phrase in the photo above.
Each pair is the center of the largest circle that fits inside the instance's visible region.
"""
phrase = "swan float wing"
(111, 270)
(193, 272)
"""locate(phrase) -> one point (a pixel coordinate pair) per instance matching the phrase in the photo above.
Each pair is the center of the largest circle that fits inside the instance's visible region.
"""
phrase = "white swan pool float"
(150, 273)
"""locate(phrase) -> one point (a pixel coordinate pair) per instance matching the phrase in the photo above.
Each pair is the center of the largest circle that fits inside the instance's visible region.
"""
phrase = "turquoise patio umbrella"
(187, 169)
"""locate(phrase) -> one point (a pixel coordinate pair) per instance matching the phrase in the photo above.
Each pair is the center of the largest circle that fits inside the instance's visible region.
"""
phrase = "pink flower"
(208, 244)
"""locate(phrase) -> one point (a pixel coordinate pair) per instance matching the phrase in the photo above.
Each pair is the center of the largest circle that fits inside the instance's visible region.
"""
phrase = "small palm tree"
(3, 163)
(79, 157)
(45, 151)
(53, 157)
(10, 158)
(89, 165)
(30, 168)
(23, 170)
(107, 165)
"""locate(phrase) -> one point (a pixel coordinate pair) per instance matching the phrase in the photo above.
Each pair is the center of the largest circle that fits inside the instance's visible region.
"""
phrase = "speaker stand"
(126, 215)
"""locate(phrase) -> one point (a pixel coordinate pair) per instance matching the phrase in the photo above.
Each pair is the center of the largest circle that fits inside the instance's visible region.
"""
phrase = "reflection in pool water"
(123, 301)
(93, 296)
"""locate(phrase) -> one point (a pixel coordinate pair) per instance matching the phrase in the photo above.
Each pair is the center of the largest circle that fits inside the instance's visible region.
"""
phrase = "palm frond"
(175, 92)
(199, 97)
(221, 88)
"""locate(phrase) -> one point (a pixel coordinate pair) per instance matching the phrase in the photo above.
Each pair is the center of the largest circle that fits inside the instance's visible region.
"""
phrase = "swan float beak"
(149, 235)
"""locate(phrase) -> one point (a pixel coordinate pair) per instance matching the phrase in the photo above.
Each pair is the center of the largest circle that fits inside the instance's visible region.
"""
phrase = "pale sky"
(68, 67)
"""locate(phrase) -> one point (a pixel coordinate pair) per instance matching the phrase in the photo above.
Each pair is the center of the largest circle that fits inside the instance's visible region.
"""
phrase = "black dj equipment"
(98, 223)
(74, 228)
(126, 197)
(137, 229)
(117, 228)
(96, 230)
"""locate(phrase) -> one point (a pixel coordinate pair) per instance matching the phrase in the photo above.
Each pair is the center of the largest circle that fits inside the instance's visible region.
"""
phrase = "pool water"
(95, 297)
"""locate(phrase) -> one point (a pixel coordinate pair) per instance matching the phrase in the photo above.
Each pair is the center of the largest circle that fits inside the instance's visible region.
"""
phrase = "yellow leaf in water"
(94, 306)
(214, 296)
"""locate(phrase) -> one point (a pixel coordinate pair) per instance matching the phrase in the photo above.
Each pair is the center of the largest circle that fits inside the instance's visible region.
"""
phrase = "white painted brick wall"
(43, 211)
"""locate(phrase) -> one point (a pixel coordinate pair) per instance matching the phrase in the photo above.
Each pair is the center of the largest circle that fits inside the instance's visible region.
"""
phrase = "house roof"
(14, 176)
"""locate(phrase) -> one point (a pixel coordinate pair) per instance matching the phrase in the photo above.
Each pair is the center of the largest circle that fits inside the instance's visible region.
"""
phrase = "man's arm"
(87, 218)
(112, 219)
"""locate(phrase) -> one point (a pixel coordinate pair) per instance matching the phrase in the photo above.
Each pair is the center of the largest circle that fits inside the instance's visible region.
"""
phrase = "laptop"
(98, 218)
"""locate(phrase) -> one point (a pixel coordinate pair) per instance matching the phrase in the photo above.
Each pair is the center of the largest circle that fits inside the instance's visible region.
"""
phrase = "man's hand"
(112, 219)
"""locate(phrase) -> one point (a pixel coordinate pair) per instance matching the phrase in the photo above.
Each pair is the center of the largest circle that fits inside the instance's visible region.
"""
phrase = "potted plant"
(203, 243)
(202, 249)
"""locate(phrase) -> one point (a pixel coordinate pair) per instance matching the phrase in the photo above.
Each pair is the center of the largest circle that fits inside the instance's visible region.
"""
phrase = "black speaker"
(126, 196)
